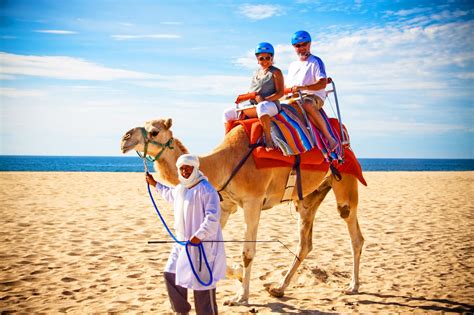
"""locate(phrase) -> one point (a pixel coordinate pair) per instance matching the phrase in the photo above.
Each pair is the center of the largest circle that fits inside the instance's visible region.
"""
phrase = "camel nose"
(128, 142)
(127, 136)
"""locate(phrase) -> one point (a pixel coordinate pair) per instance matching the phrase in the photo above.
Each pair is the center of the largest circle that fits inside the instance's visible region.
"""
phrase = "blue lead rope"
(185, 244)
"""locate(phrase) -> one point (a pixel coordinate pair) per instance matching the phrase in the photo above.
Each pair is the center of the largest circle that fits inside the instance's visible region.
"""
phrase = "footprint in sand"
(68, 279)
(134, 276)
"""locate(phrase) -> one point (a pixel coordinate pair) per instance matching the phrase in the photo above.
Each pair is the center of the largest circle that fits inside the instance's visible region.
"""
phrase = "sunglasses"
(301, 45)
(268, 58)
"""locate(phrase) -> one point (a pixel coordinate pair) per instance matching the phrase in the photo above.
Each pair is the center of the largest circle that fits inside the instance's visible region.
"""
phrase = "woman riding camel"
(266, 88)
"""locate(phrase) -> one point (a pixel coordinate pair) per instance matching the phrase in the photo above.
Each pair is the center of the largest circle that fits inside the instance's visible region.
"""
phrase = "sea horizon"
(53, 163)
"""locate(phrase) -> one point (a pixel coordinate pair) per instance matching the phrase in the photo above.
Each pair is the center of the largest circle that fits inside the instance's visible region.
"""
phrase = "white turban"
(195, 177)
(186, 183)
(187, 159)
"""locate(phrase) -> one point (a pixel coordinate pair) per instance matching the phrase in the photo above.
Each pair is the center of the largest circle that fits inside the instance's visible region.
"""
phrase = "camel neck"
(219, 164)
(167, 172)
(166, 165)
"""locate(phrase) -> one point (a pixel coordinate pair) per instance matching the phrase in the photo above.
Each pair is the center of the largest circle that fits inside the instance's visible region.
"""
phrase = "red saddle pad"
(310, 160)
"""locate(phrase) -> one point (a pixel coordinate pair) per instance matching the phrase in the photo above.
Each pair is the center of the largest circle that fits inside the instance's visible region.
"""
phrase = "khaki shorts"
(315, 100)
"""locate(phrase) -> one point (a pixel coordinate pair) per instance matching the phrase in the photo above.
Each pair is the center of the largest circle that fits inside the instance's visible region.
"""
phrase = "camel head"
(154, 135)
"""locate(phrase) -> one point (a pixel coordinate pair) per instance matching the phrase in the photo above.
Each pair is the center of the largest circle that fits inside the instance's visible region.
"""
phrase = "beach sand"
(77, 243)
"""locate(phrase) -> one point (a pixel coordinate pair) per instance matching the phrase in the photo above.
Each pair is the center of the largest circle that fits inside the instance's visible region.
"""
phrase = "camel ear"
(168, 123)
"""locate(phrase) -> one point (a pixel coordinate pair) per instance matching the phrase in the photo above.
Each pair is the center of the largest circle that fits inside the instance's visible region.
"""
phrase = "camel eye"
(154, 133)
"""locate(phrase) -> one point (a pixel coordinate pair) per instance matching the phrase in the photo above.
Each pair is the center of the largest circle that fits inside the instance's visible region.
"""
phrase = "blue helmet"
(300, 37)
(264, 48)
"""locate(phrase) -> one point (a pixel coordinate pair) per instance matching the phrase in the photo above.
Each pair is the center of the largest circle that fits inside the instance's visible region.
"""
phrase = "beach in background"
(77, 242)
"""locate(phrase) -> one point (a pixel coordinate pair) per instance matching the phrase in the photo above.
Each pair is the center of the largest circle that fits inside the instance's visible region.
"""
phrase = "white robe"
(201, 219)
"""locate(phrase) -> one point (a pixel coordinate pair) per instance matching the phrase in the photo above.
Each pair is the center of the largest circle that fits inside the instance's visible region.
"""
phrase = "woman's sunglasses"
(301, 45)
(268, 58)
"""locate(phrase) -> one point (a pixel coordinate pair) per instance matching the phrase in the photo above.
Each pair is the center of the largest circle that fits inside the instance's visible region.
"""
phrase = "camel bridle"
(163, 146)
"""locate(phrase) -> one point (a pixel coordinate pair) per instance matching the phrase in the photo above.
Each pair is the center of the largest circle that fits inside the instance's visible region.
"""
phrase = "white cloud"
(57, 32)
(465, 75)
(13, 92)
(6, 77)
(68, 68)
(149, 36)
(201, 85)
(408, 12)
(390, 127)
(403, 58)
(260, 11)
(62, 67)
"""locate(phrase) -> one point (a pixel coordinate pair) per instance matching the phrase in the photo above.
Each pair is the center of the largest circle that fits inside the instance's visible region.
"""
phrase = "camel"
(253, 190)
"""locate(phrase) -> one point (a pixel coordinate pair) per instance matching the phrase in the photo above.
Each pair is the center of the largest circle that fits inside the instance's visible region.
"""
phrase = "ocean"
(134, 164)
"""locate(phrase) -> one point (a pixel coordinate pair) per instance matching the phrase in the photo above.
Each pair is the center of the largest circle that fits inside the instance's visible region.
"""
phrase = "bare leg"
(318, 121)
(265, 120)
(252, 217)
(347, 200)
(307, 210)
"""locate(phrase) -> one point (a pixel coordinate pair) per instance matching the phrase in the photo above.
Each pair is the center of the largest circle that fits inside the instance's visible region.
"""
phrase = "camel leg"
(307, 210)
(227, 208)
(346, 192)
(252, 218)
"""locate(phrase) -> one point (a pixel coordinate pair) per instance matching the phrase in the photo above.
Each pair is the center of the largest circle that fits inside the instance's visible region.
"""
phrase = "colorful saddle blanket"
(311, 159)
(295, 135)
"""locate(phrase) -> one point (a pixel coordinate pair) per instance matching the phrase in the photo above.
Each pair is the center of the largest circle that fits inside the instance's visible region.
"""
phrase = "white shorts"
(263, 108)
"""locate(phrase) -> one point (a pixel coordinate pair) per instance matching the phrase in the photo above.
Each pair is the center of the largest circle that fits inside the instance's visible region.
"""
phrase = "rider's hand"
(295, 89)
(150, 180)
(238, 100)
(195, 240)
(259, 98)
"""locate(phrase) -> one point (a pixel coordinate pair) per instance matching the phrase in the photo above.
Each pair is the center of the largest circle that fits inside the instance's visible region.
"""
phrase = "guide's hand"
(150, 180)
(195, 240)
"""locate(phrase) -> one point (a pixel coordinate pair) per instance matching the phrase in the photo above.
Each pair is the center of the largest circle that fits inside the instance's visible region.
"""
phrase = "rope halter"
(163, 146)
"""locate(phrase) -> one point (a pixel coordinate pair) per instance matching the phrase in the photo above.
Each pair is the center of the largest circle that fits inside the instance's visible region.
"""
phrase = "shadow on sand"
(426, 304)
(436, 305)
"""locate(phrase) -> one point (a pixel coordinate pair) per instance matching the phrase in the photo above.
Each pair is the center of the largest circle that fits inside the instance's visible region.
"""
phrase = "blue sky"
(75, 75)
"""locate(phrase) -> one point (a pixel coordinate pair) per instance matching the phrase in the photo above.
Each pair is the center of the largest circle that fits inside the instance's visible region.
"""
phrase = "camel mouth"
(127, 147)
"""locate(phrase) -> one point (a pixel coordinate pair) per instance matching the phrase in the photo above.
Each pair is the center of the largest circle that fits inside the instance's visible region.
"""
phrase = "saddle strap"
(297, 167)
(238, 167)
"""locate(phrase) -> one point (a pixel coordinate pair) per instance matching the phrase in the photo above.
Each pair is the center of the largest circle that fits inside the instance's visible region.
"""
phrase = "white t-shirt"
(306, 73)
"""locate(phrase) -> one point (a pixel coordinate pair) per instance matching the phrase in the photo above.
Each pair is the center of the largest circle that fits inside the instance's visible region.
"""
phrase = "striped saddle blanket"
(288, 125)
(293, 134)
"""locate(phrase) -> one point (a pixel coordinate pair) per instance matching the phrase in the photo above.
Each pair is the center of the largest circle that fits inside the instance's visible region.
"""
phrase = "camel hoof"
(275, 291)
(352, 289)
(236, 301)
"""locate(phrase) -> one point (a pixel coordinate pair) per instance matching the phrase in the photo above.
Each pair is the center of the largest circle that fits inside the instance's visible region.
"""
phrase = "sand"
(77, 243)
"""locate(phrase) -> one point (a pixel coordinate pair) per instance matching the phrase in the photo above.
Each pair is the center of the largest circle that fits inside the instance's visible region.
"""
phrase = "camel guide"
(197, 214)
